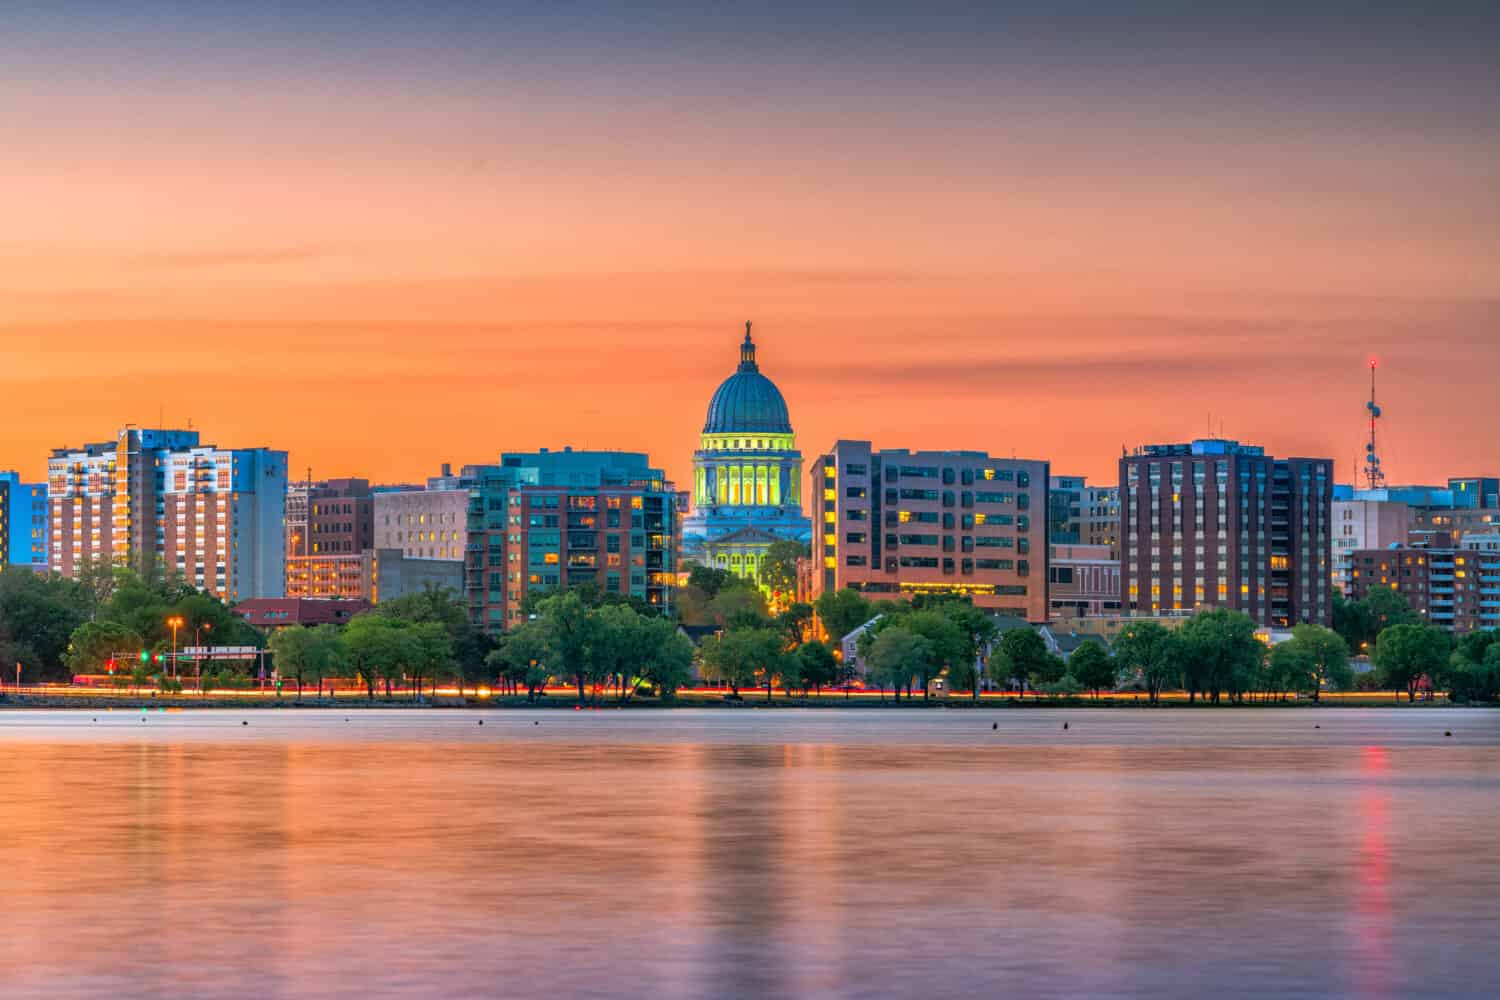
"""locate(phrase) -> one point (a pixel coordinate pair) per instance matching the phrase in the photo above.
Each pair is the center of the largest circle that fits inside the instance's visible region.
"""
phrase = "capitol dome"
(747, 402)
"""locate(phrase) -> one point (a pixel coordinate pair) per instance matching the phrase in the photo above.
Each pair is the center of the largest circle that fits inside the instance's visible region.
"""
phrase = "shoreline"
(181, 703)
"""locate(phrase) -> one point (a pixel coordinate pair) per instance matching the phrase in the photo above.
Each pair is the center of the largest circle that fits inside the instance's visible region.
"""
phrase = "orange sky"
(381, 265)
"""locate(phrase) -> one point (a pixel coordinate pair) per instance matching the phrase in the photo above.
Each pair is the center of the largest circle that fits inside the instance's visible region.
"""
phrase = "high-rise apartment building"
(549, 520)
(1454, 588)
(1216, 523)
(897, 523)
(161, 502)
(23, 523)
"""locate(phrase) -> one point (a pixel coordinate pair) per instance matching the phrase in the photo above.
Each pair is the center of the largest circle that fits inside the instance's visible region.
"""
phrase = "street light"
(174, 623)
(198, 651)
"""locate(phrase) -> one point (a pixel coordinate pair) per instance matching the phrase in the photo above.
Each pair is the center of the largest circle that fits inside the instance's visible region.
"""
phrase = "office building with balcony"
(747, 475)
(549, 520)
(1216, 523)
(23, 523)
(897, 523)
(161, 502)
(1457, 589)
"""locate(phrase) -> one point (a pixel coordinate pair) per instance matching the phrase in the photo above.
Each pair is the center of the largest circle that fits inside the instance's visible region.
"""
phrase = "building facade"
(549, 520)
(422, 524)
(1080, 514)
(898, 523)
(747, 475)
(1457, 589)
(1365, 524)
(329, 526)
(23, 523)
(1083, 580)
(160, 502)
(1215, 523)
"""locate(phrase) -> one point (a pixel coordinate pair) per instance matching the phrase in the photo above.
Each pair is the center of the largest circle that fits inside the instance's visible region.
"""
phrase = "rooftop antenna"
(1374, 474)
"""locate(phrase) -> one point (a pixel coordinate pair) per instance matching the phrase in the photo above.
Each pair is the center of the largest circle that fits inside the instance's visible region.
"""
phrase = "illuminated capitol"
(747, 474)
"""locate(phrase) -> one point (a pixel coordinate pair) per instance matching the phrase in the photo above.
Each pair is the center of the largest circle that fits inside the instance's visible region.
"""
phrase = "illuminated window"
(550, 558)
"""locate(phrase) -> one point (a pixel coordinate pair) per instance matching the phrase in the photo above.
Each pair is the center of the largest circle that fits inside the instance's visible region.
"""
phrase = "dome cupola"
(747, 402)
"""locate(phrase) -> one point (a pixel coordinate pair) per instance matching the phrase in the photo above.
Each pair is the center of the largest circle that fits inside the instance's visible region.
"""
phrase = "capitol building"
(747, 475)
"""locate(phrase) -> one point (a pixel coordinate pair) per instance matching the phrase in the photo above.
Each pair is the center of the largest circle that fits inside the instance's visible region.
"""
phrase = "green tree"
(1048, 671)
(37, 618)
(1093, 668)
(1474, 646)
(571, 630)
(1387, 607)
(778, 566)
(94, 645)
(371, 650)
(895, 655)
(795, 621)
(948, 643)
(740, 657)
(1328, 657)
(291, 648)
(1290, 666)
(525, 657)
(1020, 654)
(1475, 681)
(819, 666)
(1352, 621)
(667, 663)
(740, 607)
(1152, 651)
(1223, 653)
(1406, 653)
(979, 631)
(431, 652)
(468, 642)
(841, 612)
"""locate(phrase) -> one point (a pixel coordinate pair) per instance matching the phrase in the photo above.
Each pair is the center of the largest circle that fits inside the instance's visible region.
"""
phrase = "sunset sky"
(385, 236)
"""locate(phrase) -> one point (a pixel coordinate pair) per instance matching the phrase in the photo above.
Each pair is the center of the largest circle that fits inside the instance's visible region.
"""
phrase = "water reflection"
(764, 857)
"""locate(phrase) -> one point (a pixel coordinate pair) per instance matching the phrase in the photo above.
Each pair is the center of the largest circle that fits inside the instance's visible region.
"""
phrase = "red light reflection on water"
(1372, 901)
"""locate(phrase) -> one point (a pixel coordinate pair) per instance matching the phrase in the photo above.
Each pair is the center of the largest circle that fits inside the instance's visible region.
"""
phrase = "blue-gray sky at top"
(1039, 211)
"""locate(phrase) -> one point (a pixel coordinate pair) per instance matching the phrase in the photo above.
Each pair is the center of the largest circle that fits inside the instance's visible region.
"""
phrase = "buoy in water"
(1447, 732)
(244, 723)
(481, 722)
(1065, 725)
(994, 725)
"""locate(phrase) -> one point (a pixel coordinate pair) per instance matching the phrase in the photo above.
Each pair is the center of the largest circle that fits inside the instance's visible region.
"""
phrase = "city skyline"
(388, 242)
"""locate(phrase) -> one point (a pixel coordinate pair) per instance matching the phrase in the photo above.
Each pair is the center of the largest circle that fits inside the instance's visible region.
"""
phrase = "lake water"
(1170, 853)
